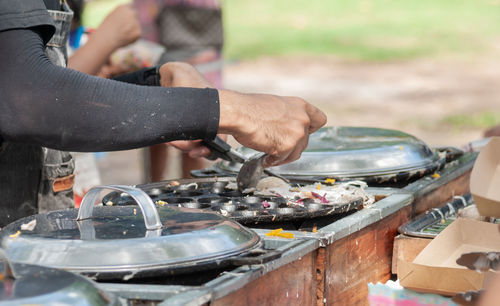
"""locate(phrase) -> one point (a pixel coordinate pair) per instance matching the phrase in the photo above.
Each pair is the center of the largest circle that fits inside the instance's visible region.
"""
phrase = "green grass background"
(370, 30)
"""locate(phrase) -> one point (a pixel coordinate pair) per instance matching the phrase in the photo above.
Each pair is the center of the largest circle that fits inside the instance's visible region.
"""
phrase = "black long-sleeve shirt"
(60, 108)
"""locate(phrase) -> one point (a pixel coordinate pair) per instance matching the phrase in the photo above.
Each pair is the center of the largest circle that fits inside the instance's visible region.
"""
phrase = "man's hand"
(177, 74)
(194, 148)
(278, 126)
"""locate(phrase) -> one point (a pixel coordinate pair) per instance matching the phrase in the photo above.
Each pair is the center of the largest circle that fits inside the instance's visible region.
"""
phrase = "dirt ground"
(412, 96)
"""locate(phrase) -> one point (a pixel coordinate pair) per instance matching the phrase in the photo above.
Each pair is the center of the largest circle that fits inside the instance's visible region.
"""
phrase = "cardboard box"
(485, 179)
(406, 248)
(435, 268)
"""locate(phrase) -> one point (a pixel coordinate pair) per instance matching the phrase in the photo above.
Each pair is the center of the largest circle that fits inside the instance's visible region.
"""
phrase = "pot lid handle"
(148, 208)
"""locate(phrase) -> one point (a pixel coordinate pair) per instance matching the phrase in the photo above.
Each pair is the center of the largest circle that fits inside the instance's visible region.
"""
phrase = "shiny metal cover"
(353, 152)
(116, 239)
(23, 284)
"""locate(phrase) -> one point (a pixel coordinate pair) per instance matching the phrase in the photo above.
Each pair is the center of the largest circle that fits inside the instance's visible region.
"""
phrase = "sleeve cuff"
(213, 113)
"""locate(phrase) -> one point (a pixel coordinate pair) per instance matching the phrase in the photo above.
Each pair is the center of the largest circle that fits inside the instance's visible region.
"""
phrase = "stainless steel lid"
(353, 152)
(119, 239)
(23, 284)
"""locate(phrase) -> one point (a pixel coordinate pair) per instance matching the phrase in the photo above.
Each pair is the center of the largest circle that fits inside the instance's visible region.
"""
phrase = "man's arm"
(279, 126)
(64, 109)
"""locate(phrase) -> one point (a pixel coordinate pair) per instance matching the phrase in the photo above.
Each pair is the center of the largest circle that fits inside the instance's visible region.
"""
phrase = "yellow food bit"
(401, 148)
(161, 203)
(330, 181)
(295, 189)
(109, 203)
(15, 235)
(443, 221)
(315, 229)
(318, 186)
(436, 175)
(135, 211)
(279, 233)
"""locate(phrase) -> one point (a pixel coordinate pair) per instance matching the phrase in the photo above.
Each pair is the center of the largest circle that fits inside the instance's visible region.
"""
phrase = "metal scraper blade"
(250, 172)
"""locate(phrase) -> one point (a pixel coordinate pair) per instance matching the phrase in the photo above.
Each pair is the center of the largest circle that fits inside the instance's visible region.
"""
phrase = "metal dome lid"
(129, 239)
(24, 284)
(353, 152)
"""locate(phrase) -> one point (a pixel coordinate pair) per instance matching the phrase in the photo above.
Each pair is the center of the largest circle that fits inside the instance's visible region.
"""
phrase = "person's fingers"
(290, 156)
(297, 152)
(166, 76)
(222, 136)
(185, 145)
(177, 74)
(200, 151)
(318, 118)
(271, 160)
(193, 148)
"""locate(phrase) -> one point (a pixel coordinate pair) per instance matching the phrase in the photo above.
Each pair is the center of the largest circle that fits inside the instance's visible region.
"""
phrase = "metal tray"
(212, 195)
(436, 220)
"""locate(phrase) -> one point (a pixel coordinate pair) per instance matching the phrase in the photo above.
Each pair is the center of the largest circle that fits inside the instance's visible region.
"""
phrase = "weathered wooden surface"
(292, 284)
(365, 256)
(339, 273)
(320, 276)
(407, 248)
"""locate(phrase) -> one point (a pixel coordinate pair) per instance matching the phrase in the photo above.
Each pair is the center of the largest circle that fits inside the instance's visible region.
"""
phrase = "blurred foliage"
(373, 30)
(96, 10)
(480, 120)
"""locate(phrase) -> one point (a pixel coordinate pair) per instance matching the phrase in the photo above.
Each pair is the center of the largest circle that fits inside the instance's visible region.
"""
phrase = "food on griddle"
(29, 226)
(271, 182)
(315, 193)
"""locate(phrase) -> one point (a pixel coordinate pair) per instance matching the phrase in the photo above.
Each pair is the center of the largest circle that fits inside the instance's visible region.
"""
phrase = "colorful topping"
(15, 235)
(29, 226)
(330, 181)
(279, 233)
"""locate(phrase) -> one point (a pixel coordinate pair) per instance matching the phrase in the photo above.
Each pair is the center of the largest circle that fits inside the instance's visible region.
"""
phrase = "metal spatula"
(251, 172)
(252, 168)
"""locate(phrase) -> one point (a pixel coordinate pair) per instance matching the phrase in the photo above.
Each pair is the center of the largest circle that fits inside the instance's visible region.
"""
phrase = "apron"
(35, 179)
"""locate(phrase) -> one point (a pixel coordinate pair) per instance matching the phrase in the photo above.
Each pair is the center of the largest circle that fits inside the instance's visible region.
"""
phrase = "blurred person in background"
(191, 31)
(91, 53)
